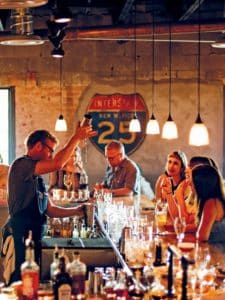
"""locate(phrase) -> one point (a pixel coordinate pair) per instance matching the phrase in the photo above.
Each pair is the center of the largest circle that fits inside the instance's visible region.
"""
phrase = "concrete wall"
(107, 67)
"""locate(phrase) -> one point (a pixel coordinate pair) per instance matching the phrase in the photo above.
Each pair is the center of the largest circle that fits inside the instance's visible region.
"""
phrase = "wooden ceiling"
(116, 19)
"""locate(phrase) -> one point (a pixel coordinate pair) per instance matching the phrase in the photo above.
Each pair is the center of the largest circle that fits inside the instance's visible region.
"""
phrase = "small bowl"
(186, 247)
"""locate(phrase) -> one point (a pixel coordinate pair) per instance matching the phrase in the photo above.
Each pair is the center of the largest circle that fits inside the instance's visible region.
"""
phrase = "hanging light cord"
(60, 69)
(135, 62)
(199, 54)
(153, 61)
(170, 64)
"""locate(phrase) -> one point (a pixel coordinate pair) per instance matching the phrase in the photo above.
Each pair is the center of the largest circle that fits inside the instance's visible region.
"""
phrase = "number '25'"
(110, 129)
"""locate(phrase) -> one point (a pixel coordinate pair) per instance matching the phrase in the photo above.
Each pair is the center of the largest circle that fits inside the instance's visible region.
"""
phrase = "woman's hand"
(166, 187)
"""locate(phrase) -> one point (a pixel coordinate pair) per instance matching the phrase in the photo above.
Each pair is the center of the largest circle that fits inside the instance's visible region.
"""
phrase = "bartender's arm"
(124, 191)
(54, 211)
(120, 192)
(59, 160)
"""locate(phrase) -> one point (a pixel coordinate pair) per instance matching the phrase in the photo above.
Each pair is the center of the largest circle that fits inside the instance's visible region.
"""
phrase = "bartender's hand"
(98, 186)
(85, 132)
(88, 210)
(80, 210)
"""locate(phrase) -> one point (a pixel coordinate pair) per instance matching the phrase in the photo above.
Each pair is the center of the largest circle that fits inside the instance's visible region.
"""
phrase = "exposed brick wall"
(108, 67)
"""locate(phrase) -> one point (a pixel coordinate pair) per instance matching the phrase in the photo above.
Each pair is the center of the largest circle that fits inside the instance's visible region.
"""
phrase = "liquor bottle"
(110, 283)
(94, 234)
(55, 264)
(57, 227)
(62, 284)
(148, 272)
(158, 253)
(98, 283)
(87, 120)
(63, 253)
(77, 270)
(29, 271)
(121, 287)
(88, 232)
(90, 281)
(75, 232)
(83, 231)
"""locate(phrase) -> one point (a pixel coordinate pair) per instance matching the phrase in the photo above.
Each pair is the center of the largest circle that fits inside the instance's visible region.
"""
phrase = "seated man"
(122, 176)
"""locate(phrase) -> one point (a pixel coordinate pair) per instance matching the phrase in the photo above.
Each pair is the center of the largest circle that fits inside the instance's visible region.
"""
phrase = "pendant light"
(169, 130)
(135, 125)
(199, 133)
(60, 124)
(220, 43)
(62, 12)
(153, 125)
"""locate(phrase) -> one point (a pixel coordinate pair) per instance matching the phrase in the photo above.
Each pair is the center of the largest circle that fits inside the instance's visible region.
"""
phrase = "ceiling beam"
(141, 30)
(120, 32)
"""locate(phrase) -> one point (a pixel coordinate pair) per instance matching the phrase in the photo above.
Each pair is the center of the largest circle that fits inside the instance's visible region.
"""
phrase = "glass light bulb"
(169, 130)
(60, 124)
(152, 126)
(198, 135)
(135, 125)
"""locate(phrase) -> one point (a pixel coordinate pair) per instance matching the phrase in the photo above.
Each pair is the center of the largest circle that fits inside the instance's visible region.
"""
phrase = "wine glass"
(193, 280)
(179, 228)
(202, 258)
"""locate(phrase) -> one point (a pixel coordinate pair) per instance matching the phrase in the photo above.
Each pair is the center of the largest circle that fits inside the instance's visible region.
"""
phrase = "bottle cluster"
(68, 277)
(115, 284)
(72, 228)
(72, 280)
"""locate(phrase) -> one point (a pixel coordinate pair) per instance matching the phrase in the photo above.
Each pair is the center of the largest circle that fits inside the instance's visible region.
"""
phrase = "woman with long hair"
(184, 203)
(174, 174)
(209, 188)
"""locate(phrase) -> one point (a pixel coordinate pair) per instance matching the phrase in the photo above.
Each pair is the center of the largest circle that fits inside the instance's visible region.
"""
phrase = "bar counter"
(168, 240)
(103, 252)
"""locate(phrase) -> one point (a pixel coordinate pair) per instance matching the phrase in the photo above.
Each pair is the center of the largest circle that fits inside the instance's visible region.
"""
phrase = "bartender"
(27, 197)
